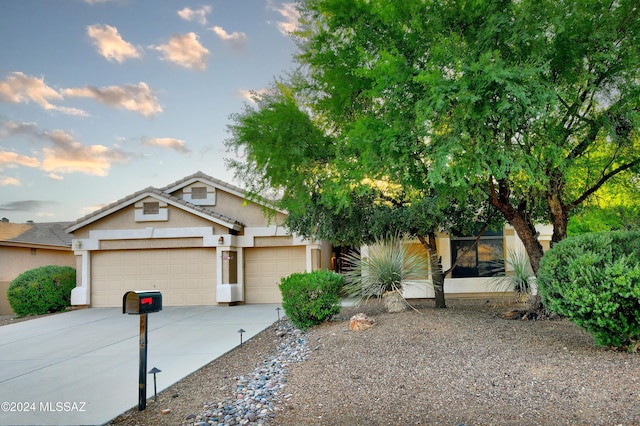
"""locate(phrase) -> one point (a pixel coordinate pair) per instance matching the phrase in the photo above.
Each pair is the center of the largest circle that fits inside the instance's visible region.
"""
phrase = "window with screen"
(486, 259)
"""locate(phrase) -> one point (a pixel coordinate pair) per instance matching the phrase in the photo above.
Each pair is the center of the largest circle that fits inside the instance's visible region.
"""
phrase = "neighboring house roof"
(164, 194)
(35, 234)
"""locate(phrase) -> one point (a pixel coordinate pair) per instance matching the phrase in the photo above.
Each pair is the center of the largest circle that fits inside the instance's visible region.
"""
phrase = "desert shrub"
(388, 267)
(594, 280)
(42, 290)
(520, 279)
(310, 298)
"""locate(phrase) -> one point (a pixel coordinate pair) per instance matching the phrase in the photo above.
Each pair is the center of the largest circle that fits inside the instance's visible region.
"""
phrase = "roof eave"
(161, 196)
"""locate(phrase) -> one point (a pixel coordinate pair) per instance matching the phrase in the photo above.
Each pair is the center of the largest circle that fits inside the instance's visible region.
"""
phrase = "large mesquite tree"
(334, 196)
(536, 103)
(529, 105)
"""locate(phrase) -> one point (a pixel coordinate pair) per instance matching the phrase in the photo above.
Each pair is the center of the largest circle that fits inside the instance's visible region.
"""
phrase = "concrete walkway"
(81, 367)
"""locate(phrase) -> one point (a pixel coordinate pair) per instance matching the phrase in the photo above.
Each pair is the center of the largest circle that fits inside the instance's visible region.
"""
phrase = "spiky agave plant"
(388, 267)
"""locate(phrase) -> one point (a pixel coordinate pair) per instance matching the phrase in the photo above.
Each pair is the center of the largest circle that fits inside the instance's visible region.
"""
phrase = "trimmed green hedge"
(42, 290)
(594, 280)
(310, 298)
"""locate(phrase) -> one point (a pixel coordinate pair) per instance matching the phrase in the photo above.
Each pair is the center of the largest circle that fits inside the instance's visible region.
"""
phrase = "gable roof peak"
(204, 178)
(165, 194)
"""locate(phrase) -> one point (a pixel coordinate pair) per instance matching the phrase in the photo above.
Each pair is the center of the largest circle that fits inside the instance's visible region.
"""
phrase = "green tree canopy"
(615, 207)
(529, 105)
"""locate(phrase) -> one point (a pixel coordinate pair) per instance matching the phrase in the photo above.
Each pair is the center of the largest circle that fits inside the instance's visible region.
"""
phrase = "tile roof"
(46, 233)
(163, 192)
(203, 176)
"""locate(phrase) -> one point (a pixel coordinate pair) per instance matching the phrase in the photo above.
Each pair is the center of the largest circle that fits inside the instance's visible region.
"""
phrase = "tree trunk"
(438, 281)
(437, 275)
(521, 222)
(529, 236)
(559, 218)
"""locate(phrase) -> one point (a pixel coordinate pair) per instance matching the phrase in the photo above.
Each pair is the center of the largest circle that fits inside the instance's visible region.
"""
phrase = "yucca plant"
(519, 281)
(388, 267)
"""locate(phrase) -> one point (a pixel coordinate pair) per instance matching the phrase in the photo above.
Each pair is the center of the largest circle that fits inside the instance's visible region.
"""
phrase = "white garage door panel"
(184, 276)
(265, 266)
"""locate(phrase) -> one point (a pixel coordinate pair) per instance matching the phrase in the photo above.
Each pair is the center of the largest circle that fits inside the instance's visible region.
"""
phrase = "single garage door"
(265, 266)
(184, 276)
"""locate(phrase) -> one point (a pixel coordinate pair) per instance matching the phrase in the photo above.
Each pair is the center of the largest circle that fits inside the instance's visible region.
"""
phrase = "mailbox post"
(142, 303)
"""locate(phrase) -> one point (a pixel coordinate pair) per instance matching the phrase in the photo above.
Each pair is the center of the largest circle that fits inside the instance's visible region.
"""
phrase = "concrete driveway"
(81, 367)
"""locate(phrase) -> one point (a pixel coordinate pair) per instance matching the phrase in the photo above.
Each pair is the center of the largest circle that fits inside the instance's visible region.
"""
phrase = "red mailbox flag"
(146, 300)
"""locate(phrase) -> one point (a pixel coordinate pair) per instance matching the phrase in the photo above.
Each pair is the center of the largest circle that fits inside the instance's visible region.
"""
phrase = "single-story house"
(25, 246)
(199, 241)
(476, 271)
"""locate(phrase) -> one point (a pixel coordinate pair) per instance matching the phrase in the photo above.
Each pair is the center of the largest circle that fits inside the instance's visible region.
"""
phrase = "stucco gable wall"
(250, 214)
(125, 219)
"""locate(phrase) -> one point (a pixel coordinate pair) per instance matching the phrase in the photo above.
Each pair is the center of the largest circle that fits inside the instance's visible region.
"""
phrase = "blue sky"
(102, 98)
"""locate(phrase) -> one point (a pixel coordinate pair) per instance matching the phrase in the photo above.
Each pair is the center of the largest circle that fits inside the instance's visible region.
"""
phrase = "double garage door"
(184, 276)
(188, 276)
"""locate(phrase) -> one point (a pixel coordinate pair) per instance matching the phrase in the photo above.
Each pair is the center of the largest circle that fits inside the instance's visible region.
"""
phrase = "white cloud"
(198, 15)
(11, 128)
(171, 143)
(186, 51)
(110, 44)
(138, 98)
(9, 181)
(21, 88)
(13, 159)
(45, 214)
(290, 14)
(66, 155)
(90, 209)
(23, 206)
(236, 40)
(55, 176)
(63, 155)
(249, 95)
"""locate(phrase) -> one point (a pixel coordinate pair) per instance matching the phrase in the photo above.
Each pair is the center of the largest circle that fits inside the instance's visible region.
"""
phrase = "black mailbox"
(141, 302)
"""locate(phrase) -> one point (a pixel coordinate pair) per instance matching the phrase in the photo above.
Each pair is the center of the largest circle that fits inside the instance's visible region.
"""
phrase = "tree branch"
(579, 149)
(605, 177)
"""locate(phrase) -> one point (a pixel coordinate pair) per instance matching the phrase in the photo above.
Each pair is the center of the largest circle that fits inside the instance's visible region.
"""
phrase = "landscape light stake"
(278, 309)
(241, 331)
(153, 371)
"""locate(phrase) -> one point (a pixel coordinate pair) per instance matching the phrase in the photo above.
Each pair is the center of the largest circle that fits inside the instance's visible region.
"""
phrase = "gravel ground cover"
(461, 366)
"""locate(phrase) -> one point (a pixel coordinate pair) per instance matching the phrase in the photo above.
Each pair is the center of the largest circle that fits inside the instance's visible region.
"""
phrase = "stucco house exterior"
(25, 246)
(199, 240)
(475, 274)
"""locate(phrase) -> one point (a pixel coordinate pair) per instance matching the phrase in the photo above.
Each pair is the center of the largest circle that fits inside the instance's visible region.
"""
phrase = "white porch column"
(228, 292)
(81, 294)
